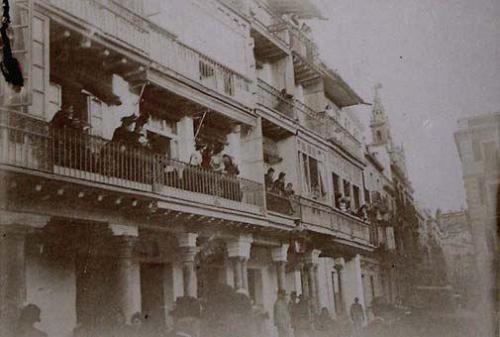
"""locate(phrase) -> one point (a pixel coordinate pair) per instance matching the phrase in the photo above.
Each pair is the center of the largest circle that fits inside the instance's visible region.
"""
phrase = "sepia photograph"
(249, 168)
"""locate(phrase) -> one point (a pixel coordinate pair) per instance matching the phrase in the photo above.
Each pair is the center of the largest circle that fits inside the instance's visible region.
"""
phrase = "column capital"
(187, 240)
(280, 254)
(239, 246)
(17, 219)
(340, 262)
(124, 230)
(312, 257)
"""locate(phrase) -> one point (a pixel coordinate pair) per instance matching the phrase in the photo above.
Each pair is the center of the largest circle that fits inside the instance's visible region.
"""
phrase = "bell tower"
(379, 123)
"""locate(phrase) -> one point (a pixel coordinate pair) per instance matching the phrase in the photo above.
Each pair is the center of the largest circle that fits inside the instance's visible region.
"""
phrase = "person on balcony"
(289, 193)
(64, 118)
(216, 162)
(229, 166)
(279, 184)
(196, 158)
(124, 134)
(268, 179)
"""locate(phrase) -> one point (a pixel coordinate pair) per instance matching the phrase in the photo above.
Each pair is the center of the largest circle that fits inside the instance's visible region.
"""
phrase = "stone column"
(127, 287)
(12, 276)
(304, 279)
(311, 260)
(340, 305)
(279, 256)
(238, 251)
(187, 244)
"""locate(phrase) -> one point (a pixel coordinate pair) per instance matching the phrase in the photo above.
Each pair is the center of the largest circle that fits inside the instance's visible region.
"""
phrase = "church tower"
(379, 123)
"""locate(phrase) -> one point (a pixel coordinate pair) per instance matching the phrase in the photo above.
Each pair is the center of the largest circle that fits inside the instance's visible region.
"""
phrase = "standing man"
(282, 315)
(357, 316)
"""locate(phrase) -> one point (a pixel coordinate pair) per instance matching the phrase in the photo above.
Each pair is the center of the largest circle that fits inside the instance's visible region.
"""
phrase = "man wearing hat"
(187, 316)
(124, 133)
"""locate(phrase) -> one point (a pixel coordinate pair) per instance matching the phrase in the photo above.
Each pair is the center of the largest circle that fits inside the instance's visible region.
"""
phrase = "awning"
(339, 91)
(304, 9)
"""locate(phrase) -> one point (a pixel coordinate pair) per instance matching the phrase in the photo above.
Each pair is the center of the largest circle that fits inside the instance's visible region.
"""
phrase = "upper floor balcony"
(110, 23)
(271, 40)
(318, 122)
(31, 144)
(330, 129)
(323, 218)
(305, 55)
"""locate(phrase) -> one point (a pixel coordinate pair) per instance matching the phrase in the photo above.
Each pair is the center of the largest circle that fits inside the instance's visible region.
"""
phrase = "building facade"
(94, 228)
(478, 143)
(458, 249)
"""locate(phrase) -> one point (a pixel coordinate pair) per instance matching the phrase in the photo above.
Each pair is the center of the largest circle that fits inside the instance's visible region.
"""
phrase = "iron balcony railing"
(303, 46)
(29, 143)
(271, 97)
(320, 215)
(121, 25)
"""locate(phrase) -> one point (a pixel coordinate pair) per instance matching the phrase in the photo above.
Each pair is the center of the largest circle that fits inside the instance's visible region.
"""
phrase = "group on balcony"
(280, 193)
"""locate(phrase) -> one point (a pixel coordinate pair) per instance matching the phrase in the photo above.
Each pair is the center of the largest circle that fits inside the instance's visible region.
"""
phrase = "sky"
(438, 61)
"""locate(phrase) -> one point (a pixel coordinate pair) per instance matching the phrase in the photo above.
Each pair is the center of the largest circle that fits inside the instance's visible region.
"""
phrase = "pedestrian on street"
(303, 319)
(187, 317)
(282, 315)
(357, 316)
(30, 315)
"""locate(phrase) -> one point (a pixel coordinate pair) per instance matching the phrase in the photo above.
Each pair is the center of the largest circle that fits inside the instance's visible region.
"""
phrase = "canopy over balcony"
(338, 90)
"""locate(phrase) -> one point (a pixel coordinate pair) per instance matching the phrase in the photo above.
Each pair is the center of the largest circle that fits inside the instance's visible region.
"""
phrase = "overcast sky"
(438, 61)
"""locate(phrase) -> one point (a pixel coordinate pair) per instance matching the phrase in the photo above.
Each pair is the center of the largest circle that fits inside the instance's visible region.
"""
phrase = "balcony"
(27, 143)
(272, 98)
(288, 206)
(305, 56)
(108, 20)
(325, 218)
(271, 42)
(331, 129)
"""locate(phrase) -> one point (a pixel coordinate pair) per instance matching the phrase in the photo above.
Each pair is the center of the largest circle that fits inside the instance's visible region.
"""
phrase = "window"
(55, 99)
(336, 190)
(367, 197)
(356, 195)
(490, 154)
(95, 115)
(313, 182)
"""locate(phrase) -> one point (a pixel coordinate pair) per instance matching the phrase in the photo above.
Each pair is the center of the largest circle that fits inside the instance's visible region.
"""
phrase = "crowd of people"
(224, 312)
(211, 157)
(295, 318)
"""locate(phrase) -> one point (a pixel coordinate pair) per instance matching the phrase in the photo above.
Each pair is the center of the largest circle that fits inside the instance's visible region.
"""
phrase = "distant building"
(478, 143)
(458, 248)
